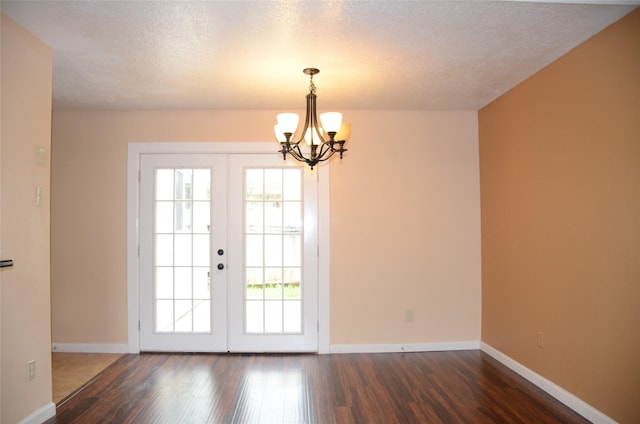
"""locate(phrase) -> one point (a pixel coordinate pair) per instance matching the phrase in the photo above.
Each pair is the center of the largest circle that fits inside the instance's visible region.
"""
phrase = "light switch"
(42, 156)
(39, 193)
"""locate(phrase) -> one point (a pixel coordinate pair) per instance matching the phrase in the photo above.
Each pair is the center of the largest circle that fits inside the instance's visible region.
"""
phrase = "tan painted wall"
(25, 300)
(560, 190)
(405, 230)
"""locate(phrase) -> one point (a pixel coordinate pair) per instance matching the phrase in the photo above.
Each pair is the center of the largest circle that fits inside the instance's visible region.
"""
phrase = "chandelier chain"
(312, 86)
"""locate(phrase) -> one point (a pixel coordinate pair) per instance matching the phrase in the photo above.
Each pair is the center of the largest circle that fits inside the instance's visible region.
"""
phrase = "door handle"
(220, 266)
(6, 263)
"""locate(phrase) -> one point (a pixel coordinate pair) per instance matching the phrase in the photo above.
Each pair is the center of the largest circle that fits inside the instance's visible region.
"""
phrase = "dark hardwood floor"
(428, 387)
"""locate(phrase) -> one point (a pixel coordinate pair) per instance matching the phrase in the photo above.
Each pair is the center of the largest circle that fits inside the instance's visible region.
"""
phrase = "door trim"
(135, 150)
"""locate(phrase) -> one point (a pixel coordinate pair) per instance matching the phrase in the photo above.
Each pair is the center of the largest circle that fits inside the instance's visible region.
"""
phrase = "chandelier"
(321, 142)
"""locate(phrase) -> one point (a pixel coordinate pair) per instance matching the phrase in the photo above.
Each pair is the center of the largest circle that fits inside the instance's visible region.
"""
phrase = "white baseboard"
(567, 398)
(90, 347)
(41, 414)
(407, 347)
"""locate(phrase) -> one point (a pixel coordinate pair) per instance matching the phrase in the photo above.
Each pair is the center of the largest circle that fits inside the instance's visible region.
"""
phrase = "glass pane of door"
(182, 286)
(273, 246)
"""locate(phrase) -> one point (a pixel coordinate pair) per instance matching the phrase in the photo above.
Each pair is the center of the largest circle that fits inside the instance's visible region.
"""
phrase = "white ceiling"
(452, 55)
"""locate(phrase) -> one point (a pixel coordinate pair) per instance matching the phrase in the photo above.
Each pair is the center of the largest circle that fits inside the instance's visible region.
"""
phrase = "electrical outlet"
(408, 315)
(540, 339)
(31, 369)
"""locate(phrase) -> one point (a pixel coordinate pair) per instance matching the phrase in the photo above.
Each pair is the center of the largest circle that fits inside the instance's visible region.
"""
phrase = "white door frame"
(133, 196)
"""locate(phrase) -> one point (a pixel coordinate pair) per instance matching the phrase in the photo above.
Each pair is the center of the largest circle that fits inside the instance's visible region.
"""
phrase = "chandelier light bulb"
(288, 122)
(311, 137)
(344, 132)
(277, 128)
(331, 121)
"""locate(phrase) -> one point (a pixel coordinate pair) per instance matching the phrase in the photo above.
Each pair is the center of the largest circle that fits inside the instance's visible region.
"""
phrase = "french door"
(228, 254)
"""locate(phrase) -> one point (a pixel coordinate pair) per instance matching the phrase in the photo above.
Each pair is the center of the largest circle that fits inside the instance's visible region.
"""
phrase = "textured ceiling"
(455, 55)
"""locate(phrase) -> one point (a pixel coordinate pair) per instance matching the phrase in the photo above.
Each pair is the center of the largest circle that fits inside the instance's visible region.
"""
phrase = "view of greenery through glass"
(273, 291)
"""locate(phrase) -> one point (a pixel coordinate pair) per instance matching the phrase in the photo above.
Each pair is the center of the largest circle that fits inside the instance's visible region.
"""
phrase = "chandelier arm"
(311, 121)
(293, 150)
(333, 152)
(315, 123)
(297, 153)
(328, 156)
(307, 122)
(324, 148)
(339, 149)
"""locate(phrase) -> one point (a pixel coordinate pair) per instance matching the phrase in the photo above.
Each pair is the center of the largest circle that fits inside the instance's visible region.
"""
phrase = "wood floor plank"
(427, 387)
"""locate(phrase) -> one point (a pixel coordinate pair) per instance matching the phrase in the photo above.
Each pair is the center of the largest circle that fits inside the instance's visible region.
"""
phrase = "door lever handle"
(6, 263)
